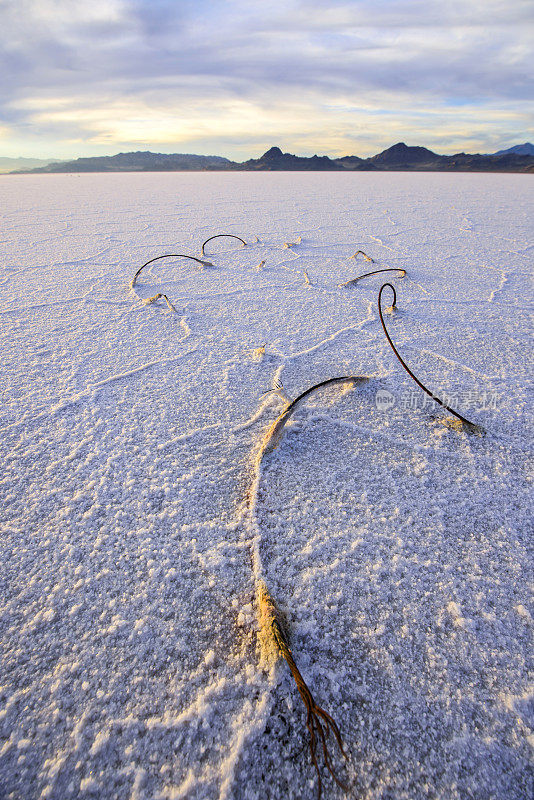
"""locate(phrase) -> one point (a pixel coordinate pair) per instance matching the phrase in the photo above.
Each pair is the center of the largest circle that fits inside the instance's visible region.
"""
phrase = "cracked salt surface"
(397, 546)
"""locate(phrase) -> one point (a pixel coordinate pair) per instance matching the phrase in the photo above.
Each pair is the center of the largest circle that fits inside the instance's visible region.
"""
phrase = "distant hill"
(526, 149)
(274, 159)
(355, 163)
(507, 162)
(140, 161)
(11, 164)
(399, 157)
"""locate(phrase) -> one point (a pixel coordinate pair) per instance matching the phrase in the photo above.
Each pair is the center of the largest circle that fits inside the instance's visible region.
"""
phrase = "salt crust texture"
(395, 545)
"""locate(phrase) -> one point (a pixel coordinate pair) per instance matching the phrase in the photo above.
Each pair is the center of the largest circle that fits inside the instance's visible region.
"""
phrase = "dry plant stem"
(275, 432)
(278, 389)
(218, 236)
(406, 367)
(386, 269)
(169, 255)
(318, 721)
(376, 272)
(156, 298)
(314, 714)
(367, 258)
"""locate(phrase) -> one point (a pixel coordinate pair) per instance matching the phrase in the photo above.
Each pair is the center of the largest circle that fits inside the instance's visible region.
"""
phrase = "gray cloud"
(405, 58)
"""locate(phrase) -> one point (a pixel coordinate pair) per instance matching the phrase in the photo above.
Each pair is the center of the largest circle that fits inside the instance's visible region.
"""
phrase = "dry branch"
(353, 281)
(470, 425)
(219, 235)
(274, 637)
(168, 255)
(367, 258)
(274, 433)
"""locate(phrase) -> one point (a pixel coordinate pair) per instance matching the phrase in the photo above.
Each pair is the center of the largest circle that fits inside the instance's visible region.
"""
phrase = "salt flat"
(396, 544)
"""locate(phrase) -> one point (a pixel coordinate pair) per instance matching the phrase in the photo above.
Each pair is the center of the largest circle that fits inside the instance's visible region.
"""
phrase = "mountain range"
(399, 157)
(526, 149)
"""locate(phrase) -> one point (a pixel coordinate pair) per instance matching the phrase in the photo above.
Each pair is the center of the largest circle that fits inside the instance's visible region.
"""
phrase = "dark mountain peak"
(275, 159)
(401, 154)
(271, 154)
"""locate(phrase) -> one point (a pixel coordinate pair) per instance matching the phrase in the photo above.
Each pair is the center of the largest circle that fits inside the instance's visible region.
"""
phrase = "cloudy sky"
(233, 77)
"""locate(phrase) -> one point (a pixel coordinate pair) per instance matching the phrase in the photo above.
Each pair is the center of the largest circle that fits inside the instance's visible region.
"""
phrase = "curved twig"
(275, 432)
(218, 235)
(272, 629)
(314, 714)
(168, 255)
(318, 721)
(375, 272)
(406, 367)
(367, 258)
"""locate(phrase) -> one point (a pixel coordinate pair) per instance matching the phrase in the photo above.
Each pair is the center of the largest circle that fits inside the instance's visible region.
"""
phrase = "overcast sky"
(233, 77)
